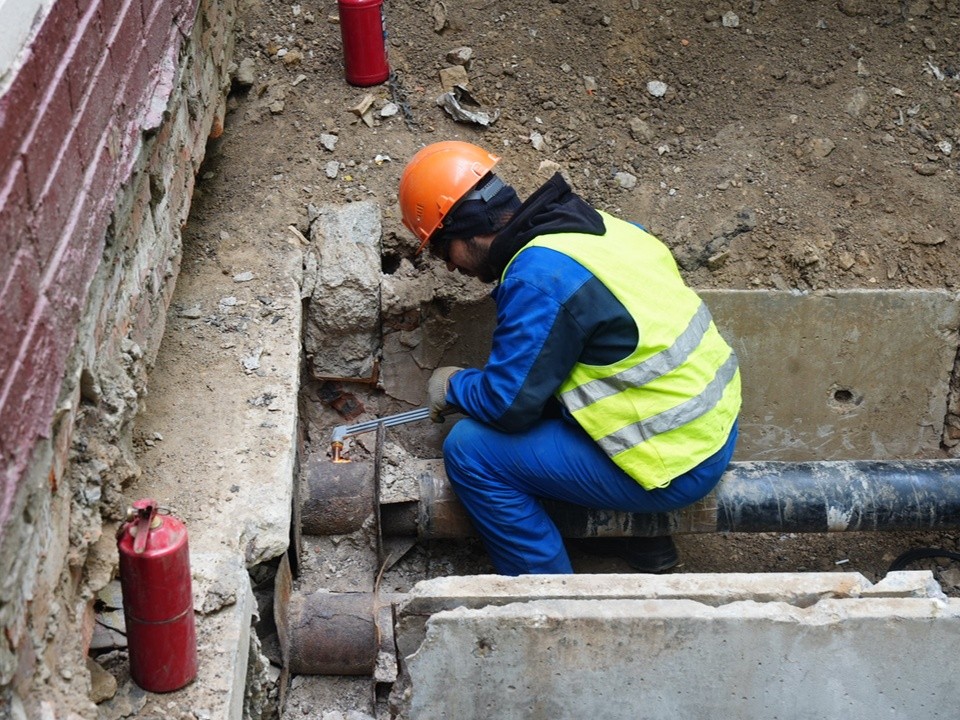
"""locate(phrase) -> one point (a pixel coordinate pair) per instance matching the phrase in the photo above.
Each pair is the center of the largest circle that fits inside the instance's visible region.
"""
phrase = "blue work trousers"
(501, 477)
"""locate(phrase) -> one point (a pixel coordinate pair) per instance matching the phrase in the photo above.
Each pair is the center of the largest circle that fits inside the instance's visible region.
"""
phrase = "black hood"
(554, 208)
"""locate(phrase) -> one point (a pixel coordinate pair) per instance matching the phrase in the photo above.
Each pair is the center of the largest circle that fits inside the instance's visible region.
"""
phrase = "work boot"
(643, 554)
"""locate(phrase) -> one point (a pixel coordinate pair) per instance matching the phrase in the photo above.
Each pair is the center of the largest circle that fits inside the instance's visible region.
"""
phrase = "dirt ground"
(806, 144)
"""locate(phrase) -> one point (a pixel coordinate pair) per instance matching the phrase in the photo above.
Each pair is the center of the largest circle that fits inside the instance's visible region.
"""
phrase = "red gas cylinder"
(157, 599)
(364, 33)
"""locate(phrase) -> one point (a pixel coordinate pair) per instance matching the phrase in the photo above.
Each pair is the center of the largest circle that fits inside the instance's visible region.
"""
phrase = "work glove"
(437, 387)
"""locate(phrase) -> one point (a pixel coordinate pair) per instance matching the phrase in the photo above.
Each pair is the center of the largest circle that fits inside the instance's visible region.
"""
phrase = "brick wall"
(103, 124)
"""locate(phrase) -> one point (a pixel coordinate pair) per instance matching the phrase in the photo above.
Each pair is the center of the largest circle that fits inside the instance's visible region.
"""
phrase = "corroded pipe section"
(339, 496)
(828, 496)
(324, 633)
(332, 634)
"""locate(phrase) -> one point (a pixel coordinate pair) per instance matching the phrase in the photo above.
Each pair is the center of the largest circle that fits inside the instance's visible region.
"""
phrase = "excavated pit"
(822, 399)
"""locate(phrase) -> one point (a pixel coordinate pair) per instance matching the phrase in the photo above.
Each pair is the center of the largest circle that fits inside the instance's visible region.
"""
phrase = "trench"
(841, 467)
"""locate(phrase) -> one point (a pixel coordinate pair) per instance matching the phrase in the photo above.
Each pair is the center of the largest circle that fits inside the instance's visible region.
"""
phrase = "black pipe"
(796, 497)
(825, 496)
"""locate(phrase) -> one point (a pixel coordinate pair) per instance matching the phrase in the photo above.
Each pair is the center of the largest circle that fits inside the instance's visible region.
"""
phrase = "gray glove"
(437, 387)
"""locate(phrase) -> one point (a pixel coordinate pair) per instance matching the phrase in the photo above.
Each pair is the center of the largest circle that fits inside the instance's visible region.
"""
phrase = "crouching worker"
(608, 385)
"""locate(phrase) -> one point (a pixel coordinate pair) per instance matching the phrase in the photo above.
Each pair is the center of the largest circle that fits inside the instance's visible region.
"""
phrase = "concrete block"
(647, 658)
(817, 382)
(342, 335)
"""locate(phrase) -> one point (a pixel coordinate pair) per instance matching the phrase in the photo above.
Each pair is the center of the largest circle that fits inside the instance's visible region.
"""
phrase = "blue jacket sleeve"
(551, 312)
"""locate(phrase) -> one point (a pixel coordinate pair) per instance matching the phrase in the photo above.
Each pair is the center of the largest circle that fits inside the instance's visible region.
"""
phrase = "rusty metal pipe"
(327, 633)
(826, 496)
(338, 497)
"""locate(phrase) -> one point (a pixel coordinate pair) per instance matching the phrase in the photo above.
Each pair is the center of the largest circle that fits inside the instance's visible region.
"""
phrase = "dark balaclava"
(485, 210)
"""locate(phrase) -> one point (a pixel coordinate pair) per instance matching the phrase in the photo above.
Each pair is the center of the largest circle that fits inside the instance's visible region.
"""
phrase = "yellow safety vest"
(672, 402)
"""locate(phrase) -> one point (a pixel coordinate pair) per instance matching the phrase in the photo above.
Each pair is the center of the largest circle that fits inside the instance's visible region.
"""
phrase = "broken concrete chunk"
(657, 88)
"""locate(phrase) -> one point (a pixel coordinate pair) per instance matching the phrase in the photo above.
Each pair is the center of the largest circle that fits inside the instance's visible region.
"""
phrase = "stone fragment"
(453, 76)
(328, 141)
(246, 73)
(440, 21)
(657, 88)
(460, 56)
(641, 130)
(820, 147)
(858, 102)
(549, 167)
(292, 57)
(625, 180)
(103, 685)
(332, 169)
(731, 19)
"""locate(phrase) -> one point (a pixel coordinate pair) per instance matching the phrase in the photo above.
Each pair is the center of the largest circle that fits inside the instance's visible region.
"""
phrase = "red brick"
(69, 276)
(51, 219)
(14, 216)
(50, 47)
(45, 140)
(111, 11)
(158, 27)
(17, 111)
(99, 193)
(18, 299)
(125, 41)
(90, 50)
(30, 391)
(97, 110)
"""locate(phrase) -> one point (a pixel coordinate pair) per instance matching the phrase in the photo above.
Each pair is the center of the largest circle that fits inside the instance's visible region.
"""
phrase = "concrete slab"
(217, 441)
(715, 589)
(219, 446)
(819, 380)
(342, 333)
(615, 658)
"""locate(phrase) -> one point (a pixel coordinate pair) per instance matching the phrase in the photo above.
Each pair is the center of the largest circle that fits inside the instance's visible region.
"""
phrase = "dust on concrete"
(794, 146)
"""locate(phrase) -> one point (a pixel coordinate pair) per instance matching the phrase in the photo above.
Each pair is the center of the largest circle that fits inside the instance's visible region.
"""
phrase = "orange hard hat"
(435, 179)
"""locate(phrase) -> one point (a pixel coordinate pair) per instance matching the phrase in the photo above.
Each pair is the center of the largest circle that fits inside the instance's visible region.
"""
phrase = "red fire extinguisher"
(364, 49)
(157, 599)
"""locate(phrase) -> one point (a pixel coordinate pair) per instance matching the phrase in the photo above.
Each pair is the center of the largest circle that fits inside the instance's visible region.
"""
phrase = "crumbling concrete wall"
(103, 124)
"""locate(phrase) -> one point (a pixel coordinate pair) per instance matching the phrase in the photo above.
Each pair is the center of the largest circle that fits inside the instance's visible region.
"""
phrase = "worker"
(607, 385)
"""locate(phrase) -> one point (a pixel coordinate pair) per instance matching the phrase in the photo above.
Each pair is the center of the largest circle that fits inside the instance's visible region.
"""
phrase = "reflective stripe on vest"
(671, 403)
(685, 412)
(660, 364)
